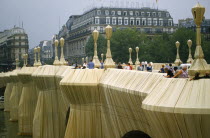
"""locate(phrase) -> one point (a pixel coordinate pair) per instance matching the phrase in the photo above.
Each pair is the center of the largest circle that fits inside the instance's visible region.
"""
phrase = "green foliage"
(158, 48)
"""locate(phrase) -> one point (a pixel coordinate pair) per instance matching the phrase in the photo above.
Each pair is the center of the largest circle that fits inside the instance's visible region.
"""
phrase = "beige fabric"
(108, 105)
(15, 96)
(179, 108)
(8, 91)
(82, 90)
(2, 82)
(49, 120)
(27, 102)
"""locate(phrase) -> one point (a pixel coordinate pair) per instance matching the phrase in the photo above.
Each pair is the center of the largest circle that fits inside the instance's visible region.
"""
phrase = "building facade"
(78, 28)
(189, 23)
(13, 44)
(46, 51)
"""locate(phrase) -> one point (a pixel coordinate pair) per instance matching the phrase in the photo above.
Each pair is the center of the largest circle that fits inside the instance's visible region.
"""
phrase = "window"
(97, 20)
(131, 13)
(155, 22)
(119, 21)
(149, 21)
(144, 22)
(159, 14)
(142, 13)
(106, 12)
(131, 21)
(137, 13)
(167, 14)
(113, 13)
(170, 23)
(125, 13)
(114, 21)
(95, 28)
(125, 21)
(154, 14)
(119, 12)
(19, 50)
(107, 20)
(137, 21)
(148, 14)
(101, 29)
(98, 12)
(161, 22)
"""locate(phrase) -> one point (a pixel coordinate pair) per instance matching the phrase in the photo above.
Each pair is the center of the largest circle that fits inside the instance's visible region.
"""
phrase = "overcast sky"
(41, 17)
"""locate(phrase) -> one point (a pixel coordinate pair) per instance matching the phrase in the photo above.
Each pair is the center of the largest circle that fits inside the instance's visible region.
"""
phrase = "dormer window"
(125, 13)
(98, 12)
(148, 14)
(131, 13)
(167, 14)
(113, 13)
(106, 12)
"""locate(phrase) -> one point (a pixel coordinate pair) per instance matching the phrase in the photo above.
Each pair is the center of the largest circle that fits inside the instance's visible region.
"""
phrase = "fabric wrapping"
(107, 104)
(14, 100)
(179, 108)
(7, 95)
(15, 95)
(49, 119)
(82, 90)
(27, 102)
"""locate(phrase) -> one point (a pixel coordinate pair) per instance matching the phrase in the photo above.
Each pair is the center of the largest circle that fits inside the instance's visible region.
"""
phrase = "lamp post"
(35, 60)
(83, 60)
(24, 60)
(86, 59)
(102, 57)
(108, 63)
(39, 62)
(130, 59)
(95, 57)
(137, 57)
(56, 61)
(177, 61)
(199, 65)
(17, 62)
(62, 59)
(189, 60)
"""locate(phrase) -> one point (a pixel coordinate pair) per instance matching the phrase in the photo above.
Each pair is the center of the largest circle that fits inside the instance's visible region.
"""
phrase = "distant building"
(13, 44)
(79, 28)
(189, 23)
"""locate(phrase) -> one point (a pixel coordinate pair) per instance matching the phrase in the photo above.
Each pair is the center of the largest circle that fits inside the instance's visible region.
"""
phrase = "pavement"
(8, 129)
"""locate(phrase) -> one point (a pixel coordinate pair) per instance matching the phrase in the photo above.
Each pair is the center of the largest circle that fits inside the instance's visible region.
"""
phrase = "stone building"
(78, 28)
(189, 23)
(13, 44)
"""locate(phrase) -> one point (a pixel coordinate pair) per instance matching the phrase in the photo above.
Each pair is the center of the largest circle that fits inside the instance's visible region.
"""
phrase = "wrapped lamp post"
(86, 59)
(199, 65)
(83, 60)
(24, 60)
(39, 62)
(95, 57)
(177, 61)
(17, 63)
(102, 57)
(189, 60)
(108, 63)
(62, 59)
(130, 59)
(137, 56)
(35, 60)
(56, 61)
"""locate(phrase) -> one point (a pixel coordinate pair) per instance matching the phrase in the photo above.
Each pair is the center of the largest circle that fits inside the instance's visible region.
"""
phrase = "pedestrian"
(102, 64)
(85, 64)
(162, 70)
(128, 66)
(91, 64)
(140, 67)
(119, 66)
(182, 73)
(149, 68)
(169, 73)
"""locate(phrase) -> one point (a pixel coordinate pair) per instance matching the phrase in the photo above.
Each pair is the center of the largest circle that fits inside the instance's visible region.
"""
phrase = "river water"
(8, 129)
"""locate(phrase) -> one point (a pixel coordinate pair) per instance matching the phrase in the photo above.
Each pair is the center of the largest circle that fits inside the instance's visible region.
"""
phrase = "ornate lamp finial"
(108, 63)
(56, 61)
(62, 59)
(95, 57)
(35, 59)
(199, 65)
(178, 60)
(189, 60)
(130, 59)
